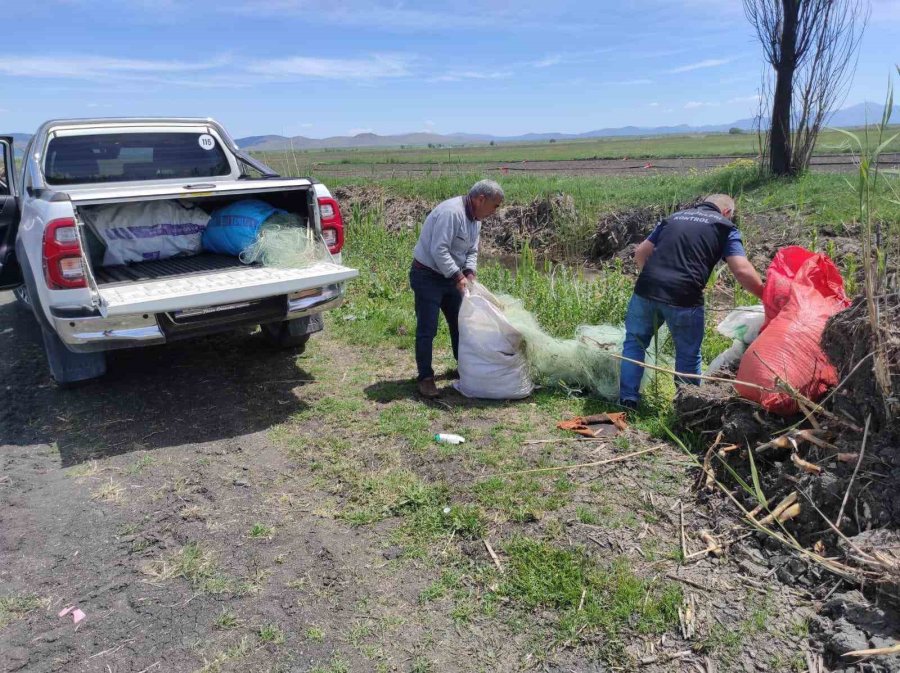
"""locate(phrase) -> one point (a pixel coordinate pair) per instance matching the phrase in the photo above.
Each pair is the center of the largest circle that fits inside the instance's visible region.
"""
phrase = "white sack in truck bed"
(142, 232)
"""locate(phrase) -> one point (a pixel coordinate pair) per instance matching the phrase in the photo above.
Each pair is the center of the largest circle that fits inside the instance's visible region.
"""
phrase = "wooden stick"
(893, 649)
(581, 602)
(684, 552)
(580, 465)
(490, 550)
(862, 452)
(700, 377)
(565, 439)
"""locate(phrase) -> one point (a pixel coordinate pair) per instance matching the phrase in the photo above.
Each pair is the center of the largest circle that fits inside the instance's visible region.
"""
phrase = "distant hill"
(856, 115)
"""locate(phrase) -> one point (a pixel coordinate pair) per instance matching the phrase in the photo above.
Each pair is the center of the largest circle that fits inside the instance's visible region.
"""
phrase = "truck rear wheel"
(285, 334)
(66, 367)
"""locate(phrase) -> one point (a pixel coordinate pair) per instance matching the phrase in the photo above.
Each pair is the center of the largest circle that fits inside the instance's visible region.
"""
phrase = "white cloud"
(547, 61)
(628, 82)
(94, 67)
(356, 132)
(654, 104)
(694, 104)
(457, 76)
(377, 66)
(745, 99)
(708, 63)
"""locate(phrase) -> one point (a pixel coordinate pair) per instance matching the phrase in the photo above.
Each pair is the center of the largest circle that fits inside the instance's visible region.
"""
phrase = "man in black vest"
(675, 263)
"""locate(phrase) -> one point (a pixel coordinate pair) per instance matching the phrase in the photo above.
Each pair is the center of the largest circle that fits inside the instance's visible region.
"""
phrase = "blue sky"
(336, 67)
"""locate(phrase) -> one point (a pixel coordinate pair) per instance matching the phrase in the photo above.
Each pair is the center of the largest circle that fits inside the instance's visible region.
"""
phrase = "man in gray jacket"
(445, 259)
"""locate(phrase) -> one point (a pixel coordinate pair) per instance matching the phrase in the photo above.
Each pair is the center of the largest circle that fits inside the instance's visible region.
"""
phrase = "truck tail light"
(332, 224)
(63, 266)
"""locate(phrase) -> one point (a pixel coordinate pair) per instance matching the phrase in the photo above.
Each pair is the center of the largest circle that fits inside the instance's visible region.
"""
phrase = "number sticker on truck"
(207, 142)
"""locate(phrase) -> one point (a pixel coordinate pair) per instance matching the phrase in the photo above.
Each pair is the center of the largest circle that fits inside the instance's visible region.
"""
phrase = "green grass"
(589, 599)
(634, 147)
(226, 620)
(16, 607)
(271, 634)
(195, 564)
(379, 307)
(261, 531)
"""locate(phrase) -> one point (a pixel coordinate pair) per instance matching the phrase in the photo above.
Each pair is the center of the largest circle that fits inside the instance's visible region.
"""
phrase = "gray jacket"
(448, 242)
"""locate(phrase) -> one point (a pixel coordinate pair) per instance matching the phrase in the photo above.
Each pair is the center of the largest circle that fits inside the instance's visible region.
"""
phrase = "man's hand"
(745, 274)
(462, 284)
(642, 254)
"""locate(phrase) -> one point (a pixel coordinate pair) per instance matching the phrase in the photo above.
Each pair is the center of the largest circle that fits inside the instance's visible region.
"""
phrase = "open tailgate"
(220, 287)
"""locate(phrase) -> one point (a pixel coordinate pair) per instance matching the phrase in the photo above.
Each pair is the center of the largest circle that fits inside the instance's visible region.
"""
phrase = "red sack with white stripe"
(803, 289)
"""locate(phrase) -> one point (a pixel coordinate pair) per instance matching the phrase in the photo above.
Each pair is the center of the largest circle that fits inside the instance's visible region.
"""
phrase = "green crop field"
(634, 147)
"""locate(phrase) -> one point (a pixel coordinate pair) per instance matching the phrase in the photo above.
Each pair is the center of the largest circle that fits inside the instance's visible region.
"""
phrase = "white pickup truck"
(55, 264)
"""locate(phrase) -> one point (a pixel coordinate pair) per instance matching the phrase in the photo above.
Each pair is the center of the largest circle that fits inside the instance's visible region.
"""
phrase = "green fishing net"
(285, 242)
(583, 364)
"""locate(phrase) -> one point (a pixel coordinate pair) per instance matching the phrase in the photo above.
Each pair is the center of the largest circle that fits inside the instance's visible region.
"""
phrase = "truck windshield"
(126, 157)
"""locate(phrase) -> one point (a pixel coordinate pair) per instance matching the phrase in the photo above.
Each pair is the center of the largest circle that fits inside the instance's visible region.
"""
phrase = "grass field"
(379, 309)
(635, 147)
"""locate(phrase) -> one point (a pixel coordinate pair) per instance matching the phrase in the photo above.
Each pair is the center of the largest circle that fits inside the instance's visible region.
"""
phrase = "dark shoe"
(428, 390)
(452, 375)
(629, 404)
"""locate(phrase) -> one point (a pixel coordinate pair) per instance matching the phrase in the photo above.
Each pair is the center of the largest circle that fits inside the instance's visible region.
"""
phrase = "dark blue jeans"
(643, 319)
(434, 294)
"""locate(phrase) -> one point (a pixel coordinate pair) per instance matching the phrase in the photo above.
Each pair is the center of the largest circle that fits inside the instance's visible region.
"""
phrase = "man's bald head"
(723, 202)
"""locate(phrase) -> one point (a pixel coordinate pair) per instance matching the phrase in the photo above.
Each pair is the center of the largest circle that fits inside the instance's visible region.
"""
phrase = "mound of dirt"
(848, 341)
(400, 213)
(715, 407)
(615, 232)
(537, 222)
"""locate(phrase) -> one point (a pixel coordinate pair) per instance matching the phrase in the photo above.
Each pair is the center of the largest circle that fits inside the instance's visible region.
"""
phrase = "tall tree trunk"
(780, 133)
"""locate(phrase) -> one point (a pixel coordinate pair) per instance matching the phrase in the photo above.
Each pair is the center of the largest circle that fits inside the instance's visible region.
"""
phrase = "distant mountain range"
(856, 115)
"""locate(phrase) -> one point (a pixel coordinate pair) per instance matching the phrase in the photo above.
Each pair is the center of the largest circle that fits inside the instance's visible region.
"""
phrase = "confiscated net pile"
(584, 363)
(284, 243)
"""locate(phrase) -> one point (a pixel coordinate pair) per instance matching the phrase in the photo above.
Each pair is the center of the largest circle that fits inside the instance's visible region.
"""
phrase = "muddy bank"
(555, 230)
(848, 478)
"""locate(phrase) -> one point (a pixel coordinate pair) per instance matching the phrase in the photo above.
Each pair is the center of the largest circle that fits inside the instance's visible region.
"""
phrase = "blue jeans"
(644, 317)
(434, 294)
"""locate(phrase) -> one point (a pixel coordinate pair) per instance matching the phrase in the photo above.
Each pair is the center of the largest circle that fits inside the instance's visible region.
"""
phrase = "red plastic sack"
(820, 274)
(803, 290)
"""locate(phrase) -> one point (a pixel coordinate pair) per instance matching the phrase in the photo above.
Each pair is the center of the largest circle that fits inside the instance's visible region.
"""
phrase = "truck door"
(10, 274)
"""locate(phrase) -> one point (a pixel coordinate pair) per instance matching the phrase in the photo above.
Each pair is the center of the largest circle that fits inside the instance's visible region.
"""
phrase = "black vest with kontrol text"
(689, 246)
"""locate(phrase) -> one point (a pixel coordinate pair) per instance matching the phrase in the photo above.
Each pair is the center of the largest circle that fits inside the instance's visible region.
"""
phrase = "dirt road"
(575, 167)
(216, 506)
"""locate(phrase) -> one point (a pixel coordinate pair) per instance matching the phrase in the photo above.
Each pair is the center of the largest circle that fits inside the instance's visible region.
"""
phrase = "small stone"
(392, 553)
(752, 568)
(241, 482)
(784, 575)
(796, 566)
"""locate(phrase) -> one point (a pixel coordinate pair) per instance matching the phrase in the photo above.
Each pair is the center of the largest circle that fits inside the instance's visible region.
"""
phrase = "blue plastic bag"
(235, 227)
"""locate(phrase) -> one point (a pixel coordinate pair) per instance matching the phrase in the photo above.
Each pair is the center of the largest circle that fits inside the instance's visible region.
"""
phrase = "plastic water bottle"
(447, 438)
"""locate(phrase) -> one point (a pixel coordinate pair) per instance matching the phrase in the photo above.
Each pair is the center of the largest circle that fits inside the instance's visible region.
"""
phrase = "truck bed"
(174, 267)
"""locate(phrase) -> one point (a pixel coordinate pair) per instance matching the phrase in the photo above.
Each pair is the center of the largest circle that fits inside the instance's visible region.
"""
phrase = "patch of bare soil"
(216, 506)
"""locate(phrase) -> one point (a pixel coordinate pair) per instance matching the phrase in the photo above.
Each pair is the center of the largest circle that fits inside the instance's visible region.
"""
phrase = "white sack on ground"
(742, 325)
(146, 231)
(491, 360)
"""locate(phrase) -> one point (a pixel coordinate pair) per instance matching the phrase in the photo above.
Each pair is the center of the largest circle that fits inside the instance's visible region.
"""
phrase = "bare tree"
(811, 46)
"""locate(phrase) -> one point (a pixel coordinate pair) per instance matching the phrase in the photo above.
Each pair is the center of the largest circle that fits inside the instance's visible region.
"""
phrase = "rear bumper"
(92, 333)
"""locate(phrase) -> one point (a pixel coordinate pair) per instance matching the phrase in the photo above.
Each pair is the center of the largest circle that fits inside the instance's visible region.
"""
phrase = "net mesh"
(284, 242)
(583, 364)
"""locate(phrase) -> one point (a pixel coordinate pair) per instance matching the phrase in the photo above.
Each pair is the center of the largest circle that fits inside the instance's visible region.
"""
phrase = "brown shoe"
(427, 389)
